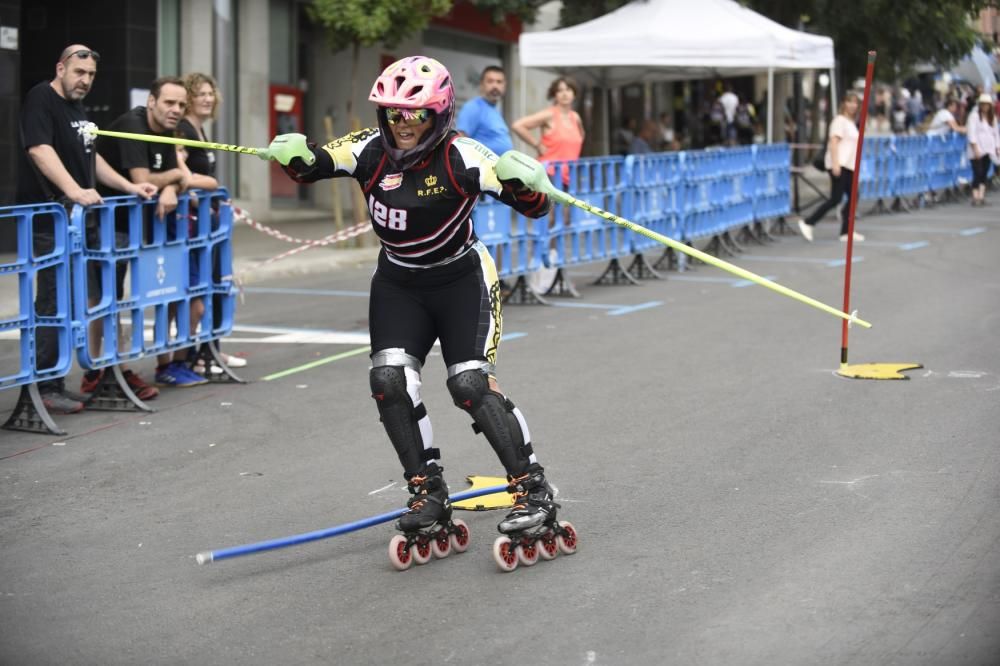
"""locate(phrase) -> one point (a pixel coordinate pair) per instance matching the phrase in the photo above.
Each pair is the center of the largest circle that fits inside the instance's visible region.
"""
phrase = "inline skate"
(427, 528)
(531, 530)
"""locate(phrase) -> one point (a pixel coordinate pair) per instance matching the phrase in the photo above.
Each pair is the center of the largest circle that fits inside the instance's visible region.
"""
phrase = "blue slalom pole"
(210, 556)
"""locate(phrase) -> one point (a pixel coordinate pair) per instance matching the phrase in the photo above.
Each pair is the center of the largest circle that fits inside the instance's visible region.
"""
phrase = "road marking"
(317, 363)
(305, 292)
(613, 310)
(739, 284)
(906, 247)
(840, 262)
(634, 308)
(789, 260)
(914, 230)
(972, 232)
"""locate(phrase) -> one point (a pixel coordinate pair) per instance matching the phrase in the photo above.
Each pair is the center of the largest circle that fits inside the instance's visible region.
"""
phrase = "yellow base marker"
(876, 370)
(501, 500)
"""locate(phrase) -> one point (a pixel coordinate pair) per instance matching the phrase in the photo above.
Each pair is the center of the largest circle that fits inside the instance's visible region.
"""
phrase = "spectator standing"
(481, 118)
(944, 120)
(984, 146)
(622, 137)
(561, 140)
(668, 136)
(745, 118)
(729, 101)
(203, 100)
(841, 151)
(59, 164)
(157, 163)
(561, 128)
(643, 142)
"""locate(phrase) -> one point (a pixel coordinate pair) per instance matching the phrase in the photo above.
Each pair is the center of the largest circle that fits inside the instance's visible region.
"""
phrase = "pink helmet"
(416, 82)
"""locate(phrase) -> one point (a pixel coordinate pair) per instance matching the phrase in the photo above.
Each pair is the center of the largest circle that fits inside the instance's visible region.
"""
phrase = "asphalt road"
(736, 501)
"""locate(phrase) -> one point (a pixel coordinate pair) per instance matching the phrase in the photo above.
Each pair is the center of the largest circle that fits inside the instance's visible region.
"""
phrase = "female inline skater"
(434, 280)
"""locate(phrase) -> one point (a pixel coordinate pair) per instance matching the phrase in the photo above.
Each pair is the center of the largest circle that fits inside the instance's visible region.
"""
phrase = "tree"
(581, 11)
(499, 10)
(903, 33)
(358, 23)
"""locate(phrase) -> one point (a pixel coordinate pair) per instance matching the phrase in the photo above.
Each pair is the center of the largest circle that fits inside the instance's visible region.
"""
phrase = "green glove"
(285, 147)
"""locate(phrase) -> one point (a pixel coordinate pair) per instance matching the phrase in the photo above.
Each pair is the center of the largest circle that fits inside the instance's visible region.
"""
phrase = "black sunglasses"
(83, 54)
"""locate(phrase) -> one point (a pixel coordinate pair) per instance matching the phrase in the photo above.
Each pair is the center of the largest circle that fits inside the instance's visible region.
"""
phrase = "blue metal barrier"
(579, 236)
(653, 197)
(29, 261)
(772, 182)
(168, 264)
(515, 242)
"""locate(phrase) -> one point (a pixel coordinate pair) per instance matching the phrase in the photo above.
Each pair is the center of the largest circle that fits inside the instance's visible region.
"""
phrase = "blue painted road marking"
(613, 310)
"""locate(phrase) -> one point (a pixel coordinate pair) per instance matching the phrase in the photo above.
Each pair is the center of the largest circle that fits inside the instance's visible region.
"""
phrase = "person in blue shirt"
(481, 118)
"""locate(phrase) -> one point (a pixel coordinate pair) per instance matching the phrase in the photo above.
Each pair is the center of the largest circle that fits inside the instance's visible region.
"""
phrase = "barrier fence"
(694, 195)
(114, 267)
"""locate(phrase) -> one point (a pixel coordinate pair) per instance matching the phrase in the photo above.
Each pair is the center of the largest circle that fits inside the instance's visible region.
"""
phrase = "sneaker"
(806, 230)
(177, 374)
(142, 390)
(60, 403)
(857, 237)
(199, 368)
(90, 380)
(234, 361)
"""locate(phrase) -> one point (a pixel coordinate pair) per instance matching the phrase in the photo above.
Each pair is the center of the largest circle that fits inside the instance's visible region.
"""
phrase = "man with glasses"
(60, 164)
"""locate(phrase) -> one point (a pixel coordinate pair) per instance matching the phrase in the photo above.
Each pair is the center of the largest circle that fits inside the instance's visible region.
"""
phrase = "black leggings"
(980, 170)
(458, 304)
(839, 188)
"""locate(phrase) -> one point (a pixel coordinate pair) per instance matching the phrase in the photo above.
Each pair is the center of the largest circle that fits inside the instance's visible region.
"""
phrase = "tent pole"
(606, 119)
(770, 105)
(833, 94)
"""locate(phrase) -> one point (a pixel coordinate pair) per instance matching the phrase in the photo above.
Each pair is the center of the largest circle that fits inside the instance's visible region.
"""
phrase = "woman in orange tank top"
(562, 130)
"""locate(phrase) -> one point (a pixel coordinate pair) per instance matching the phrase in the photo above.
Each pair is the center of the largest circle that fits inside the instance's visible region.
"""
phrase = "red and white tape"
(305, 244)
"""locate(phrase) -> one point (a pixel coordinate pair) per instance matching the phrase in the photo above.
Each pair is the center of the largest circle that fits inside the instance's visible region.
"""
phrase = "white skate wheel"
(421, 551)
(567, 544)
(400, 558)
(547, 546)
(504, 554)
(527, 554)
(460, 541)
(441, 544)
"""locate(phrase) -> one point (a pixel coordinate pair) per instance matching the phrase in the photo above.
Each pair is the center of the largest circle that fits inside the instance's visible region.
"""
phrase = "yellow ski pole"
(516, 165)
(92, 130)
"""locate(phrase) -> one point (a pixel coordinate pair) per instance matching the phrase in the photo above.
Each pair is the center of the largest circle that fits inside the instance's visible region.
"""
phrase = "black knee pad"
(399, 416)
(493, 415)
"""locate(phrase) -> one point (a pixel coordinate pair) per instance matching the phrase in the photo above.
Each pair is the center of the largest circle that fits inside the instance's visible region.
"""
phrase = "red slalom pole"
(854, 204)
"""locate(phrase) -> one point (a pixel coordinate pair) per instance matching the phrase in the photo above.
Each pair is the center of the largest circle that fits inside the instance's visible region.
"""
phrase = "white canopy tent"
(665, 40)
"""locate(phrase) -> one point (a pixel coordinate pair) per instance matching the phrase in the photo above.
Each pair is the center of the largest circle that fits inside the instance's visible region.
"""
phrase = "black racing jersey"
(422, 216)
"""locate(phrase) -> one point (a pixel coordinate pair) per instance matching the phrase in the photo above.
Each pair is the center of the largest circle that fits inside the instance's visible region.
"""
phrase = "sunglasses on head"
(408, 117)
(83, 54)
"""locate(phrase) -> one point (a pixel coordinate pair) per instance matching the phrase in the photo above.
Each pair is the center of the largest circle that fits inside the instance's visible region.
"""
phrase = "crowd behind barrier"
(169, 263)
(688, 196)
(695, 195)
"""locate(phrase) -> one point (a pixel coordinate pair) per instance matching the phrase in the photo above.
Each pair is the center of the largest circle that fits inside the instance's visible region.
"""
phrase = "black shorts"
(458, 304)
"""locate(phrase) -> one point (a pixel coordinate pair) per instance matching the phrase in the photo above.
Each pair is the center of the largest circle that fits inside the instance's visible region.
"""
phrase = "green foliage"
(526, 10)
(903, 33)
(371, 22)
(581, 11)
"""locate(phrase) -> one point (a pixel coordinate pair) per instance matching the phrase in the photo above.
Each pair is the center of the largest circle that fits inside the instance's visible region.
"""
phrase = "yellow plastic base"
(501, 500)
(876, 370)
